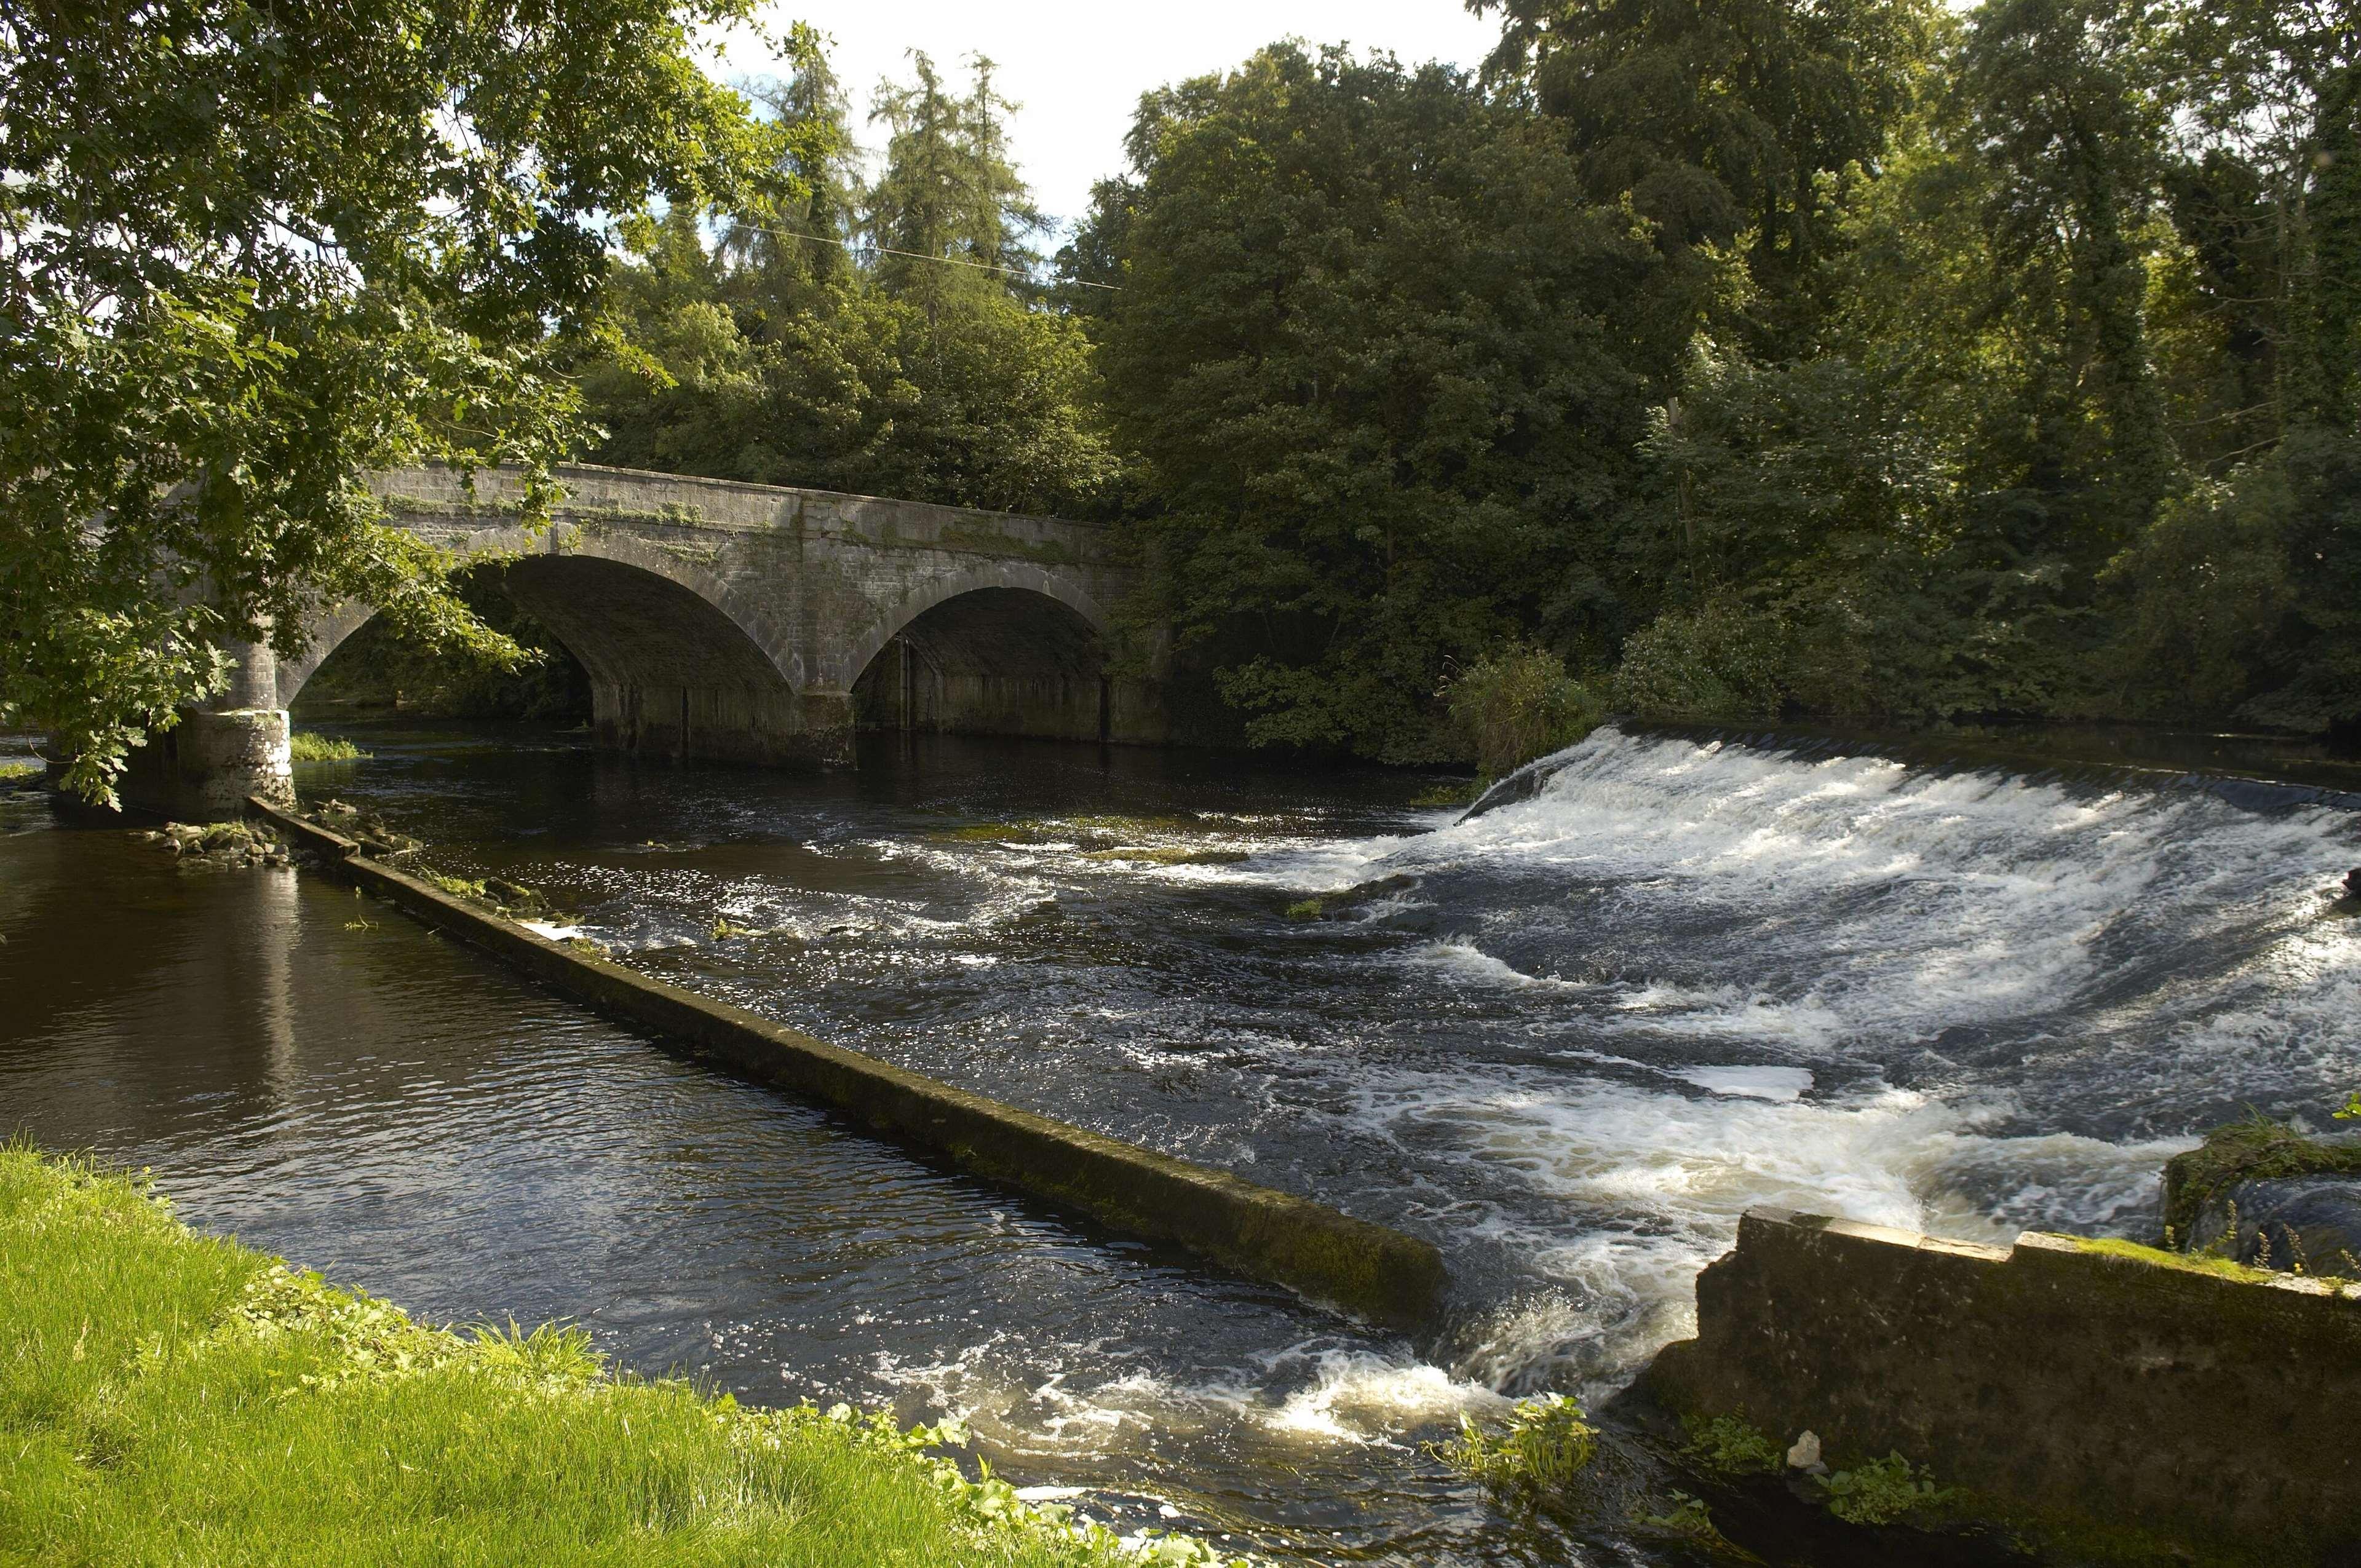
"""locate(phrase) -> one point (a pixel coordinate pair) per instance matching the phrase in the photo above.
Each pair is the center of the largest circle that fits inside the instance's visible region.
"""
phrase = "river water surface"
(1570, 1040)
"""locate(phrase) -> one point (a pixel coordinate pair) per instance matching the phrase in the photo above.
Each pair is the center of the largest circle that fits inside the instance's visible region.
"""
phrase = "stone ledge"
(2134, 1405)
(1353, 1267)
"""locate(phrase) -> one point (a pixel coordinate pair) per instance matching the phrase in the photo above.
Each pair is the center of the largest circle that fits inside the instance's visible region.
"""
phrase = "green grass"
(310, 746)
(167, 1398)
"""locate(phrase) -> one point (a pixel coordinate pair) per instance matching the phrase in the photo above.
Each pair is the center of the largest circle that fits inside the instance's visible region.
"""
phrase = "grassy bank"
(167, 1398)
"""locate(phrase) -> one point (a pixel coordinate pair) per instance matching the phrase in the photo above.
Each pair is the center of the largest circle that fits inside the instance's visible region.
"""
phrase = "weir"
(1362, 1270)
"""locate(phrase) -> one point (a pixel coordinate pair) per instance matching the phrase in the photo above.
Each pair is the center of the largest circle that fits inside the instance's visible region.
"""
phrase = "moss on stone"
(988, 541)
(2194, 1262)
(2252, 1150)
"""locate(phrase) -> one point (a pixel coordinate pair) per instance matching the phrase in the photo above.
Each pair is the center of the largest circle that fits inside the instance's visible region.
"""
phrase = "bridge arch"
(999, 650)
(679, 664)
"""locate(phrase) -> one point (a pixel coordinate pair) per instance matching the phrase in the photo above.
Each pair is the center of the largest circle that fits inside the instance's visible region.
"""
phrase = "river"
(1570, 1040)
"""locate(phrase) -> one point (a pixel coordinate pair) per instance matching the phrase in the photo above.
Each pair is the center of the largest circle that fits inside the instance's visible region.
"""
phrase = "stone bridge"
(762, 624)
(750, 622)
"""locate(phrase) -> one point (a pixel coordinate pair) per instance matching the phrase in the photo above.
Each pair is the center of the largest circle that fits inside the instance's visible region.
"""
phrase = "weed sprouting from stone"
(1688, 1517)
(1879, 1491)
(1731, 1445)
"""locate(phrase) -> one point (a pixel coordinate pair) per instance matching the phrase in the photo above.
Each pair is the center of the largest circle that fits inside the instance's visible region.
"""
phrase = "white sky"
(1078, 69)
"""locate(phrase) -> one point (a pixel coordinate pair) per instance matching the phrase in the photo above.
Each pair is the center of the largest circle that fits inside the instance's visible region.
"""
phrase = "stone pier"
(206, 767)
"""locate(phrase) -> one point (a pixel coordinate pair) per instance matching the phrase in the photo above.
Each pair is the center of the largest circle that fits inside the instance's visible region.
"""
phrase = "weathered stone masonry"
(754, 623)
(2128, 1404)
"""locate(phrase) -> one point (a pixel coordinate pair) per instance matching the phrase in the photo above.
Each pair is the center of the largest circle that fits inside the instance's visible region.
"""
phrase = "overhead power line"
(921, 256)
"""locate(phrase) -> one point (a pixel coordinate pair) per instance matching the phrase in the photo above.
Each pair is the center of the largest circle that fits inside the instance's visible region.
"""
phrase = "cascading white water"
(1948, 1000)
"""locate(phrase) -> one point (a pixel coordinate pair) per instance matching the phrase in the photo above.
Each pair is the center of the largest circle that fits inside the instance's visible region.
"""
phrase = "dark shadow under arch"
(670, 673)
(992, 661)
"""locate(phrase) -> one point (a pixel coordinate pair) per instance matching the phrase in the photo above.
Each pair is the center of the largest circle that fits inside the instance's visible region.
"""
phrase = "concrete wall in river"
(2141, 1407)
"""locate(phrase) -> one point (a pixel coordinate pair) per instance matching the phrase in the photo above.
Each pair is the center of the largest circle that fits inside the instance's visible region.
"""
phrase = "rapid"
(1570, 1037)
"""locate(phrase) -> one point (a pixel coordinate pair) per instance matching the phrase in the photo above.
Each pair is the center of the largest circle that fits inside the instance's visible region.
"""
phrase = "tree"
(1721, 118)
(2061, 98)
(949, 192)
(2268, 100)
(1385, 363)
(254, 253)
(919, 374)
(787, 247)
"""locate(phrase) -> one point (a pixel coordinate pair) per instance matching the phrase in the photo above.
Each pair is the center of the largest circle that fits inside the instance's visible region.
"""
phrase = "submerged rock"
(2306, 1224)
(2265, 1194)
(515, 896)
(220, 846)
(365, 828)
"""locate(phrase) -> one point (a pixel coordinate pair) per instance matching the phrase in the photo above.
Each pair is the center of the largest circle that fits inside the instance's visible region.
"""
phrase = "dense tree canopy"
(1758, 357)
(1714, 358)
(255, 252)
(882, 338)
(1385, 362)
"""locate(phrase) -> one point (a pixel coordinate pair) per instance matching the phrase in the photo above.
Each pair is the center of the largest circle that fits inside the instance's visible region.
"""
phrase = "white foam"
(1878, 903)
(1781, 1083)
(1461, 960)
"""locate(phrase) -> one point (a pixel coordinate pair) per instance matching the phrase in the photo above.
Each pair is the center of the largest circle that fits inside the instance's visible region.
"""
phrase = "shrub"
(1712, 664)
(1547, 1443)
(1517, 704)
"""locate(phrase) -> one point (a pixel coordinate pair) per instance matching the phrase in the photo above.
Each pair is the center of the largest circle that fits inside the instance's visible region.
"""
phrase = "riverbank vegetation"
(166, 1396)
(1737, 358)
(311, 746)
(1873, 359)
